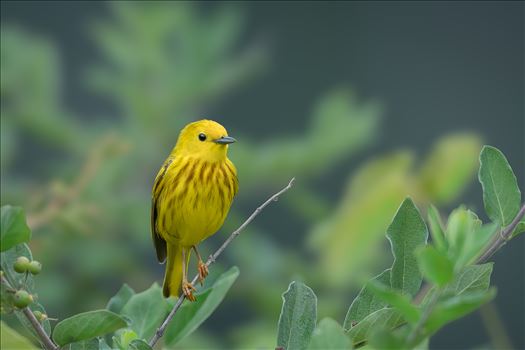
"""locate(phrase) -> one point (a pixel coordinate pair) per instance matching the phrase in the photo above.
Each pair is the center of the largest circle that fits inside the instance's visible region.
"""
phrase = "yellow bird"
(191, 197)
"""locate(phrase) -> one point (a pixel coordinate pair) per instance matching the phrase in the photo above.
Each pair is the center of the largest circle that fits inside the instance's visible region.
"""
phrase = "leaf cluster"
(392, 310)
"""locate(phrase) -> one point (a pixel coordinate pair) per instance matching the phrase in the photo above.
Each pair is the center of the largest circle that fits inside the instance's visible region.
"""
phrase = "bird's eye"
(202, 136)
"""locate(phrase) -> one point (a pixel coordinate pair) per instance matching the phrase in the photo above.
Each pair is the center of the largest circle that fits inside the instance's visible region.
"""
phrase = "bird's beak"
(225, 140)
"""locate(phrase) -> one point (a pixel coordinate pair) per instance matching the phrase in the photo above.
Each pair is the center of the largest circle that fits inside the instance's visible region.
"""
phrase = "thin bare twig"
(160, 331)
(44, 338)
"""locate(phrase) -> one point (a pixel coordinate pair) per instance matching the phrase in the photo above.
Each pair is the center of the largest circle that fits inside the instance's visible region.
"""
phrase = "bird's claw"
(203, 271)
(187, 290)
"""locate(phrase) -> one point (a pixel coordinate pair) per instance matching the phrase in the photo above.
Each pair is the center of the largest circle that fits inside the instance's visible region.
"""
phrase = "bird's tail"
(173, 274)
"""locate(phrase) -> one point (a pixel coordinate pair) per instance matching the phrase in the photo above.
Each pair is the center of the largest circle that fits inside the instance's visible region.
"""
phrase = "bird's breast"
(195, 199)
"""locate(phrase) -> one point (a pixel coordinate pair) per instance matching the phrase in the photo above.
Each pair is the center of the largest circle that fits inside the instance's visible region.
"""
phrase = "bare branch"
(160, 331)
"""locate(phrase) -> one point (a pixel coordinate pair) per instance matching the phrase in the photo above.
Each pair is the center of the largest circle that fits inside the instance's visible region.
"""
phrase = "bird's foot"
(203, 271)
(187, 290)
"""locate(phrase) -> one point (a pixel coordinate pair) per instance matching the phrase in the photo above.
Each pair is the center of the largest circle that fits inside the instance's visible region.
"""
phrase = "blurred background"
(364, 103)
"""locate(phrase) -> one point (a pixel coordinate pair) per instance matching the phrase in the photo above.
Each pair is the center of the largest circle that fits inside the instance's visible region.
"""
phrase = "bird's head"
(204, 139)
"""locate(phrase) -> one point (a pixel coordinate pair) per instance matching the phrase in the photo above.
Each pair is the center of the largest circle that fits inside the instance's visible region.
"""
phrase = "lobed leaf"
(329, 335)
(435, 266)
(13, 227)
(298, 317)
(501, 195)
(406, 232)
(366, 302)
(191, 315)
(87, 325)
(146, 310)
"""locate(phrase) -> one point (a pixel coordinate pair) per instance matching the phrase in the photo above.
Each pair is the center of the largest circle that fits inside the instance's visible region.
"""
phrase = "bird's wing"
(158, 241)
(233, 170)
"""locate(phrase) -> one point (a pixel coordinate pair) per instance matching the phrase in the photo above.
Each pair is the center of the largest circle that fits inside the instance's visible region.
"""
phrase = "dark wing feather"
(158, 241)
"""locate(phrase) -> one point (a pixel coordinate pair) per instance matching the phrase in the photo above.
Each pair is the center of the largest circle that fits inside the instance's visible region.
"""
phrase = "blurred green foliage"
(85, 179)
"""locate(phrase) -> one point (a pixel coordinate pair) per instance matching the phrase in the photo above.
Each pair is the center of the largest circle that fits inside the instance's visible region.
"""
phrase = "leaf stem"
(44, 338)
(160, 331)
(502, 238)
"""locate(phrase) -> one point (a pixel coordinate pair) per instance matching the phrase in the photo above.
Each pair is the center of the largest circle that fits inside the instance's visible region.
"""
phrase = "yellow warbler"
(191, 197)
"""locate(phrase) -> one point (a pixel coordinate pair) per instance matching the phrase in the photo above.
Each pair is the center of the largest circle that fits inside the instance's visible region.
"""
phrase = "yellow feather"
(191, 196)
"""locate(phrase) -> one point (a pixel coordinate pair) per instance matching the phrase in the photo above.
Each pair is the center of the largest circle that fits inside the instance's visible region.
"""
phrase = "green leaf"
(406, 232)
(423, 345)
(11, 340)
(461, 225)
(520, 228)
(139, 344)
(117, 302)
(387, 318)
(14, 229)
(91, 344)
(385, 339)
(366, 302)
(191, 315)
(124, 337)
(396, 299)
(436, 228)
(87, 325)
(146, 310)
(476, 243)
(434, 265)
(472, 278)
(456, 307)
(501, 194)
(450, 167)
(298, 317)
(103, 345)
(329, 335)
